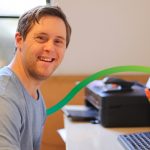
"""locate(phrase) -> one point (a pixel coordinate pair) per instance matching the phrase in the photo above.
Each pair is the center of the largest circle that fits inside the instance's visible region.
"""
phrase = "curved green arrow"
(91, 78)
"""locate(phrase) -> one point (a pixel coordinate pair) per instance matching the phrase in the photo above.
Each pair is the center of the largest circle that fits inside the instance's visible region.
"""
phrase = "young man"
(42, 36)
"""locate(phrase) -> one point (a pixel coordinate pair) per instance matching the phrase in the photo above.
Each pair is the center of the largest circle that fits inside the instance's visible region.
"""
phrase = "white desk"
(87, 136)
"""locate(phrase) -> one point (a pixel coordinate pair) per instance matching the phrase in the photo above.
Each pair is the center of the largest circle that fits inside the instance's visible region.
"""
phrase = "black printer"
(119, 103)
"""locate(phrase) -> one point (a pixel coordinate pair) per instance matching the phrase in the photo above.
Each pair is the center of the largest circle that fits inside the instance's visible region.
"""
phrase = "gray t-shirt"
(21, 117)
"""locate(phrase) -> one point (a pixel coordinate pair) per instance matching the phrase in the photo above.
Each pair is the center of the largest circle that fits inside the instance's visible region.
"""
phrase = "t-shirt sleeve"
(10, 125)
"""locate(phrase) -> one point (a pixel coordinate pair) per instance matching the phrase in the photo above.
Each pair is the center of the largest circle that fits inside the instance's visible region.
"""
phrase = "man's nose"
(49, 46)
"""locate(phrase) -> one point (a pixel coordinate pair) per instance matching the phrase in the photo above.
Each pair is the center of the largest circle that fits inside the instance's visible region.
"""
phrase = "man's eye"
(41, 39)
(59, 42)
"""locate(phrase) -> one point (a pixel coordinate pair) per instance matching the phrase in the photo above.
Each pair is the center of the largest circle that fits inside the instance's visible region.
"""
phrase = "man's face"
(44, 47)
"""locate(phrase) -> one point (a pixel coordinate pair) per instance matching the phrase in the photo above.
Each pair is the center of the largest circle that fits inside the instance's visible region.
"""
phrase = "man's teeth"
(46, 59)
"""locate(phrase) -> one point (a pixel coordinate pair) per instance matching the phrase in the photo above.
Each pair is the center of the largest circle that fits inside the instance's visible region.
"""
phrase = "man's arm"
(10, 125)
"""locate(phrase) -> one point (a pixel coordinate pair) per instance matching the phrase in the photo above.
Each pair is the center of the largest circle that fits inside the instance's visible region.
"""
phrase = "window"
(7, 44)
(19, 6)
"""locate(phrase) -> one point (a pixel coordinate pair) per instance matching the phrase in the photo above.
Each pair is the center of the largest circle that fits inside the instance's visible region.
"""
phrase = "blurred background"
(105, 33)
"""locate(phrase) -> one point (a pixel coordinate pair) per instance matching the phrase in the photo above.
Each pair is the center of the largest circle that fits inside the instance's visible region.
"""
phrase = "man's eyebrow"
(41, 33)
(61, 37)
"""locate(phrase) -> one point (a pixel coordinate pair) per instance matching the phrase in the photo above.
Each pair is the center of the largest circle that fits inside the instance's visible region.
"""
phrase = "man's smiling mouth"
(46, 59)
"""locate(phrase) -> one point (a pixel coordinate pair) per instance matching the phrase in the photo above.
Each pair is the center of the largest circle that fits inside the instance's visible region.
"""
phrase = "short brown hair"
(29, 18)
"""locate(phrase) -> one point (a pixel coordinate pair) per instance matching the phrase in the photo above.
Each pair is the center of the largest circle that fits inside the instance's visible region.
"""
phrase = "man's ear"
(18, 40)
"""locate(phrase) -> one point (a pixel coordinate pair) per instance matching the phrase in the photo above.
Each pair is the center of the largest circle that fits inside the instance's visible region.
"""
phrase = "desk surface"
(87, 136)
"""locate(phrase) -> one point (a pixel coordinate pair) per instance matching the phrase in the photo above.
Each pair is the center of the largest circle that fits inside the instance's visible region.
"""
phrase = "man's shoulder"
(5, 79)
(8, 84)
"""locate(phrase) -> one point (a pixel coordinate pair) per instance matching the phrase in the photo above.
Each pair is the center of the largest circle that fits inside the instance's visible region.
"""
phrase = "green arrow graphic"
(91, 78)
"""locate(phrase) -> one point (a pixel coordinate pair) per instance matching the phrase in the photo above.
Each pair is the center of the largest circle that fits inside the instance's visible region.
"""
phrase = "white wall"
(106, 33)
